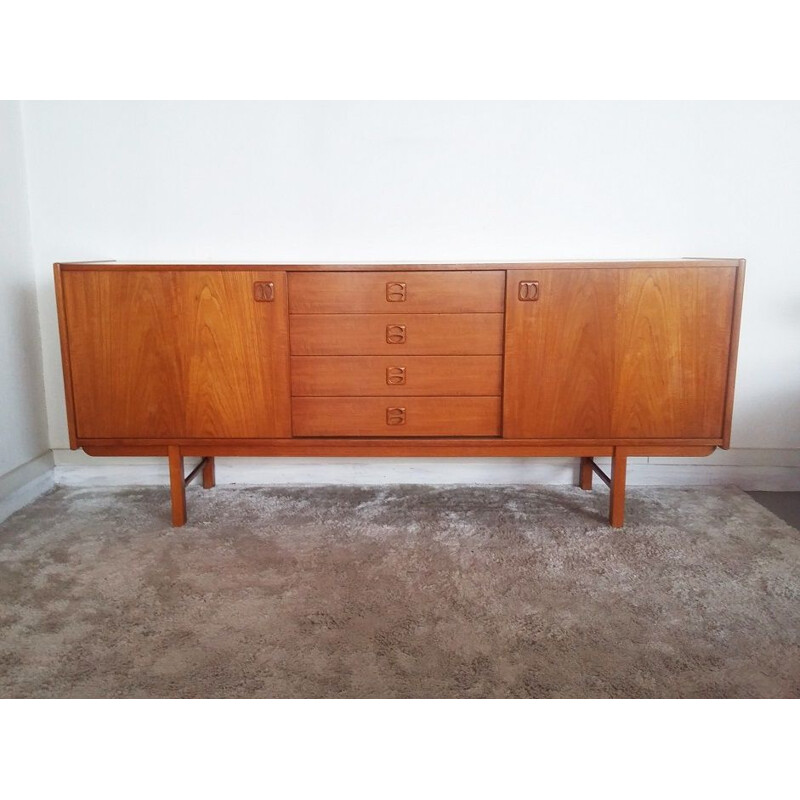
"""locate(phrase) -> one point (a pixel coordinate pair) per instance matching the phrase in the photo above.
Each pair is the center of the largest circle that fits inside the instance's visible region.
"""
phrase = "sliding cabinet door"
(618, 353)
(559, 353)
(673, 339)
(186, 353)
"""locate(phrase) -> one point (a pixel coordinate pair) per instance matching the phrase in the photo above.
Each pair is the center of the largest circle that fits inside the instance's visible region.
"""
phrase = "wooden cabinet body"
(583, 359)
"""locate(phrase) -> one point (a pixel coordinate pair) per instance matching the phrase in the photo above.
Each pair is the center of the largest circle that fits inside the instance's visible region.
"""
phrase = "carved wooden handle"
(528, 290)
(396, 334)
(263, 291)
(395, 376)
(395, 416)
(396, 292)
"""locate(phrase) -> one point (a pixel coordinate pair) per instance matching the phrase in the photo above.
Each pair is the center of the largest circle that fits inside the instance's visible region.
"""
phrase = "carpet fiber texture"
(399, 591)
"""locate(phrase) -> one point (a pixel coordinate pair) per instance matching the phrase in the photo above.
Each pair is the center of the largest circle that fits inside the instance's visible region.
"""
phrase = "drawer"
(396, 416)
(452, 292)
(386, 375)
(396, 334)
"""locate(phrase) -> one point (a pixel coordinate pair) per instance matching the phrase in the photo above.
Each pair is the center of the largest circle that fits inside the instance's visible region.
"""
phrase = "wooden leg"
(619, 465)
(177, 488)
(209, 479)
(585, 481)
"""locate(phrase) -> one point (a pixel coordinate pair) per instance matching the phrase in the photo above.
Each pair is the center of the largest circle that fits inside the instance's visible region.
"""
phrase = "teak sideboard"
(582, 359)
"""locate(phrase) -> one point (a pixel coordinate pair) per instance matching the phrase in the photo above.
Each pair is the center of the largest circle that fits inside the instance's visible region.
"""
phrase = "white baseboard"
(25, 483)
(769, 470)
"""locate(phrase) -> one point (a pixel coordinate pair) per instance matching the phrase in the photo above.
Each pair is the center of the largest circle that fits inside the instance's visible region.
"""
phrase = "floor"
(785, 504)
(399, 591)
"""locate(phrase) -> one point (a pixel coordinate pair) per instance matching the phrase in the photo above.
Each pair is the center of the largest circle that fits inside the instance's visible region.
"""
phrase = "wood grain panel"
(560, 355)
(444, 447)
(386, 375)
(383, 446)
(168, 354)
(389, 292)
(422, 416)
(619, 354)
(66, 366)
(673, 339)
(425, 334)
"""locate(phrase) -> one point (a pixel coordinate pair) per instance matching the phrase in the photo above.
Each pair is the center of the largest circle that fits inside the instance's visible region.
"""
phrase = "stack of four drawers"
(406, 353)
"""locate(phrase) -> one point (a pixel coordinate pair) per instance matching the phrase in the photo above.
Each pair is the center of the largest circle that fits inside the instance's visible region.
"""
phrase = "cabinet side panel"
(63, 335)
(559, 358)
(734, 353)
(673, 329)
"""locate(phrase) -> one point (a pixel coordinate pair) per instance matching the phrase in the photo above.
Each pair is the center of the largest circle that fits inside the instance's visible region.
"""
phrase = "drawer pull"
(395, 376)
(263, 291)
(396, 334)
(529, 290)
(395, 292)
(395, 416)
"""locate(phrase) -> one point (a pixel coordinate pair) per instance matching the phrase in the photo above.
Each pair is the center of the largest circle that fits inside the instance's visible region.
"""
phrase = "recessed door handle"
(395, 292)
(528, 290)
(263, 291)
(396, 334)
(395, 416)
(395, 376)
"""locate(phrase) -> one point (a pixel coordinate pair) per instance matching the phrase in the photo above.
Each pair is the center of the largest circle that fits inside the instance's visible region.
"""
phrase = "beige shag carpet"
(399, 591)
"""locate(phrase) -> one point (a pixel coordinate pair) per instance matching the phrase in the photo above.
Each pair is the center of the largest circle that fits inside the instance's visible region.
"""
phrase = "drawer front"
(396, 334)
(396, 416)
(389, 292)
(385, 375)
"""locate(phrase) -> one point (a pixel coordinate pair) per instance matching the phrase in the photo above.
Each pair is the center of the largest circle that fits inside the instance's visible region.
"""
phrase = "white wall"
(386, 181)
(23, 423)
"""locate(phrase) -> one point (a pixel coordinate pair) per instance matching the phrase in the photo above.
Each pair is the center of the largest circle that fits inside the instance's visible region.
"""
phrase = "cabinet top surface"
(396, 265)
